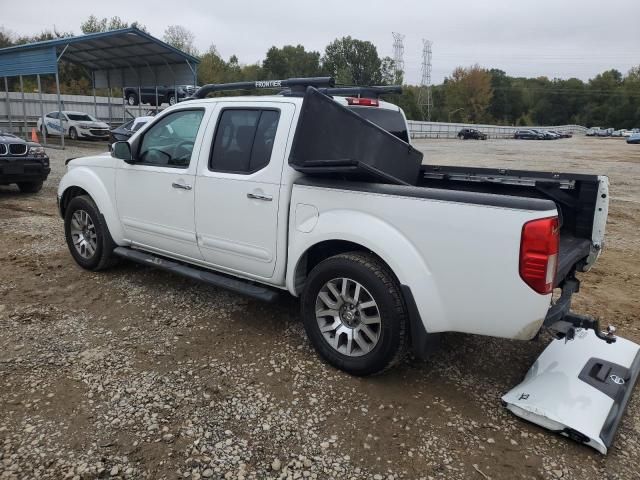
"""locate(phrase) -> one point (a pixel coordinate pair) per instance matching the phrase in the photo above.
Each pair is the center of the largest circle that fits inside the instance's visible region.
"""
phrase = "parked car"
(527, 135)
(124, 131)
(166, 94)
(24, 163)
(471, 133)
(227, 190)
(634, 138)
(76, 125)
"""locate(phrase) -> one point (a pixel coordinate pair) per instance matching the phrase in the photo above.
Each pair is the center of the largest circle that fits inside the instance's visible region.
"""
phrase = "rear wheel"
(87, 235)
(172, 99)
(354, 314)
(30, 187)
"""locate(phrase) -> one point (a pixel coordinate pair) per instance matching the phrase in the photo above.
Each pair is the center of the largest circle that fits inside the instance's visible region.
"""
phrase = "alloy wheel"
(348, 317)
(83, 234)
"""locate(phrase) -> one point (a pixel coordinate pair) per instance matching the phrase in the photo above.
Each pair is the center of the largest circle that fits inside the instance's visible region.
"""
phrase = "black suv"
(23, 163)
(471, 133)
(165, 94)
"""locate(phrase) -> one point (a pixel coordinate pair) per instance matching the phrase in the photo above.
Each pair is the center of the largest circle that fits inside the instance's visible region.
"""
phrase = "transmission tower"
(425, 101)
(398, 57)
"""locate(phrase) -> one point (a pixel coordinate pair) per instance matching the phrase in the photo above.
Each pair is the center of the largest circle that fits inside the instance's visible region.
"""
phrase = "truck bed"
(575, 197)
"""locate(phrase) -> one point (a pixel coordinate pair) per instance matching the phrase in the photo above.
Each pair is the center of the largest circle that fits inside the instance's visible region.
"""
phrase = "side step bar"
(238, 286)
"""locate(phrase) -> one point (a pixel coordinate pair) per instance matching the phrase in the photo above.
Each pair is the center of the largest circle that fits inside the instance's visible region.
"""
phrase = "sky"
(556, 39)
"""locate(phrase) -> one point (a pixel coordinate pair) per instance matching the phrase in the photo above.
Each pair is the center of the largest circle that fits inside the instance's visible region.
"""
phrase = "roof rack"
(296, 85)
(363, 92)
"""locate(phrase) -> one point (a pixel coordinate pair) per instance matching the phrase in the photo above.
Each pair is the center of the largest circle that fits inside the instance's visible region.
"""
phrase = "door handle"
(183, 186)
(260, 196)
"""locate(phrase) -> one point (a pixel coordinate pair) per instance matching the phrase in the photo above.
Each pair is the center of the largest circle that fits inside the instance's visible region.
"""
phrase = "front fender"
(376, 235)
(98, 183)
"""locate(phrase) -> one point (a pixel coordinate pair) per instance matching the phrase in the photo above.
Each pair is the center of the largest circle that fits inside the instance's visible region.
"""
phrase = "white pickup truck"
(212, 188)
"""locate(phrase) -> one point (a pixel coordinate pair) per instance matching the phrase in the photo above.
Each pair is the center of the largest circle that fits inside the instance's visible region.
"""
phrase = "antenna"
(425, 101)
(398, 57)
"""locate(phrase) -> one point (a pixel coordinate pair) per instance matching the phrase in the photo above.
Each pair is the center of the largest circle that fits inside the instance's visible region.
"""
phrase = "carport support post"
(124, 100)
(6, 89)
(44, 129)
(24, 110)
(109, 87)
(60, 109)
(93, 87)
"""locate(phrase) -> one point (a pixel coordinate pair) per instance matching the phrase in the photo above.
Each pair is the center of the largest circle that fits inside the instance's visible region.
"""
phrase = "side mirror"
(122, 150)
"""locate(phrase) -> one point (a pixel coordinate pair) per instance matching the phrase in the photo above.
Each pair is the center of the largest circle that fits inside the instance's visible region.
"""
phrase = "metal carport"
(118, 58)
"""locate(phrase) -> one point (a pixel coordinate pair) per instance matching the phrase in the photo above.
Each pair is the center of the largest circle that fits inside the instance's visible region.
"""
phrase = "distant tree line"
(470, 94)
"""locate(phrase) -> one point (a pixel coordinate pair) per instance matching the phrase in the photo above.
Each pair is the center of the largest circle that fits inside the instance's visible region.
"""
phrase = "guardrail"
(450, 130)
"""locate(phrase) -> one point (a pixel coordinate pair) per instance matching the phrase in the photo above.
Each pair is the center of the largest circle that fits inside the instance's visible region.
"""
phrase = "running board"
(238, 286)
(579, 388)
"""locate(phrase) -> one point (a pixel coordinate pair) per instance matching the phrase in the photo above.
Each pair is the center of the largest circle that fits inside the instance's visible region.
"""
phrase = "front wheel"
(87, 235)
(172, 99)
(73, 134)
(354, 314)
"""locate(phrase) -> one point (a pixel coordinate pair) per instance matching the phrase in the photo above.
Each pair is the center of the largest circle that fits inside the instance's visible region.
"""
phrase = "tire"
(96, 251)
(384, 343)
(73, 133)
(30, 187)
(132, 99)
(171, 99)
(43, 130)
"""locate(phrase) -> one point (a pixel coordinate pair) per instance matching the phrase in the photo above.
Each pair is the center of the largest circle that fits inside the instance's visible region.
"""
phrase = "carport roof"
(116, 49)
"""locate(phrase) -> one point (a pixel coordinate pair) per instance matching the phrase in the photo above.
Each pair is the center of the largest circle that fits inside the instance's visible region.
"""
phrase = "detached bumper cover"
(579, 388)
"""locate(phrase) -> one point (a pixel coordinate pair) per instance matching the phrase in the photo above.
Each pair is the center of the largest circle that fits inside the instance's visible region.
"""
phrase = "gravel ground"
(135, 373)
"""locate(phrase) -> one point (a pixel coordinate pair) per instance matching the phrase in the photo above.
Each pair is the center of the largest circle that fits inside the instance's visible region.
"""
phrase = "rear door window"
(244, 140)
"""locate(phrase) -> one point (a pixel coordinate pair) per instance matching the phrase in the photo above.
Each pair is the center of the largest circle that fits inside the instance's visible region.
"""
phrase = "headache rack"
(332, 140)
(298, 86)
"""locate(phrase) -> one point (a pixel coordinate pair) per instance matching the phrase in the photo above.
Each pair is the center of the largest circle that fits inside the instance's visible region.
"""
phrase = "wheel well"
(321, 251)
(68, 195)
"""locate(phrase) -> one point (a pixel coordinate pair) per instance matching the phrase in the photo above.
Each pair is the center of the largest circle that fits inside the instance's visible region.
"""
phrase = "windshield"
(391, 120)
(81, 117)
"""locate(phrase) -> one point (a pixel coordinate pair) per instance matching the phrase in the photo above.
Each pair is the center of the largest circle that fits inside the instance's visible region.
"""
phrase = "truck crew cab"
(317, 191)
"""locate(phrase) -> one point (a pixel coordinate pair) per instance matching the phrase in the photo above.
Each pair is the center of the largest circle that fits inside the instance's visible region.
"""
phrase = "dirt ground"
(135, 373)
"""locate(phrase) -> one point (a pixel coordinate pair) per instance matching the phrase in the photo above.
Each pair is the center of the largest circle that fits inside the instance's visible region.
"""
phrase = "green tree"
(353, 62)
(94, 24)
(469, 93)
(181, 38)
(290, 61)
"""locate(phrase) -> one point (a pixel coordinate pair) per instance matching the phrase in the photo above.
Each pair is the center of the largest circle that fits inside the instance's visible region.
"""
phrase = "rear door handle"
(183, 186)
(260, 196)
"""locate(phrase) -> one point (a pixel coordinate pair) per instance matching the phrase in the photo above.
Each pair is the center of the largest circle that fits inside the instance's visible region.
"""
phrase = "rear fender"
(382, 239)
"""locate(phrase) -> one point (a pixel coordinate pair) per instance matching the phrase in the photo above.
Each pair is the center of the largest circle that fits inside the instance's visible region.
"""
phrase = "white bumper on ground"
(579, 388)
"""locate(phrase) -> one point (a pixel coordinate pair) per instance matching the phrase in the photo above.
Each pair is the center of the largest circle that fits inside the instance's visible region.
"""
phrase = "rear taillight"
(365, 102)
(539, 253)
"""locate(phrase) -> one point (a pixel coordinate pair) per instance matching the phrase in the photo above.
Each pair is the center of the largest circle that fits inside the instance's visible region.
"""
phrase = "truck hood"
(102, 160)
